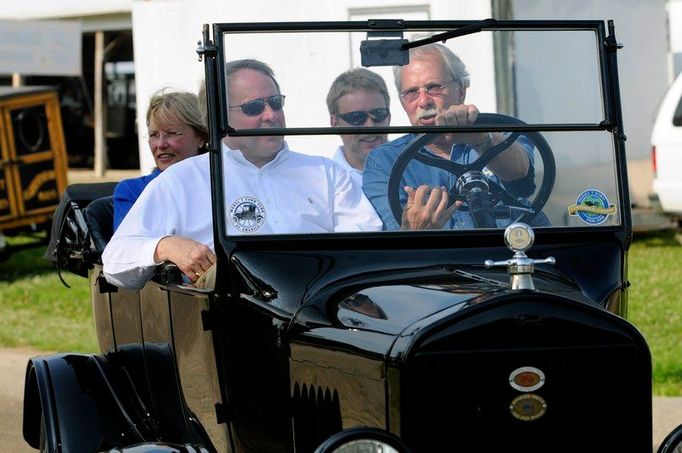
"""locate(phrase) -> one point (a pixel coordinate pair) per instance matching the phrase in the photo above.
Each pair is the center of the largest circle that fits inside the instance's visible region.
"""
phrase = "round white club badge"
(247, 214)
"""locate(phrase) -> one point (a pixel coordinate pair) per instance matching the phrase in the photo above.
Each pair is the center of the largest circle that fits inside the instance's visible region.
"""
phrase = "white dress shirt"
(355, 174)
(293, 193)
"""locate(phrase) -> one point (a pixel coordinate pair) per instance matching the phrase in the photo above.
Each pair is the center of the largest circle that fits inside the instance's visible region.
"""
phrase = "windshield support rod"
(475, 28)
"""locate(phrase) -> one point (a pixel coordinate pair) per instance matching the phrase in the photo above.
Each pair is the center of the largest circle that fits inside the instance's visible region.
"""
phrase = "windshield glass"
(521, 111)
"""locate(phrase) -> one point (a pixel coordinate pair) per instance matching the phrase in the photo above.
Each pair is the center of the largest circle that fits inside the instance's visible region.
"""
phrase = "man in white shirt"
(269, 189)
(358, 97)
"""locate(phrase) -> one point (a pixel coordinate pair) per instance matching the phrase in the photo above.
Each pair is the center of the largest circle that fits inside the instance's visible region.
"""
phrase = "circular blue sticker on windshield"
(592, 207)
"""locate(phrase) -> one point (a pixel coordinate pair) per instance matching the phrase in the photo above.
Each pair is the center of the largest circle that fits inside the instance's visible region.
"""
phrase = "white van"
(666, 151)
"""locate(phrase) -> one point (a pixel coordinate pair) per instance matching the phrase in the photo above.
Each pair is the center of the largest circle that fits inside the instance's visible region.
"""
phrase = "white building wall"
(675, 29)
(643, 62)
(166, 33)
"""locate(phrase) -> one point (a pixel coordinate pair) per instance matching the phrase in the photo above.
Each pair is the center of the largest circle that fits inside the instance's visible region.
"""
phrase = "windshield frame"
(214, 51)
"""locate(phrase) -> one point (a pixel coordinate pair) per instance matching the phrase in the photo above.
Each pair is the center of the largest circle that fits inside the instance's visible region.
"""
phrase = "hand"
(511, 164)
(192, 258)
(462, 115)
(427, 208)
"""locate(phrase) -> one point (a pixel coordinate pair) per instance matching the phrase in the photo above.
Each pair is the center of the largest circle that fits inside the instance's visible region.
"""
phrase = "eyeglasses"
(256, 106)
(432, 89)
(359, 118)
(155, 136)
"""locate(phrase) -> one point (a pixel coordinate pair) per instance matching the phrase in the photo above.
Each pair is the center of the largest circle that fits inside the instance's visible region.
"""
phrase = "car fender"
(61, 394)
(87, 402)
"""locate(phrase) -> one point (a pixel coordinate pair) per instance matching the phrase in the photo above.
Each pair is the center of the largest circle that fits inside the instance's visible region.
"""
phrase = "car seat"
(99, 215)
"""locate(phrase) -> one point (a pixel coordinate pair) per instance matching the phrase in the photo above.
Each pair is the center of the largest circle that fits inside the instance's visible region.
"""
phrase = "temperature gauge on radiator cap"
(519, 237)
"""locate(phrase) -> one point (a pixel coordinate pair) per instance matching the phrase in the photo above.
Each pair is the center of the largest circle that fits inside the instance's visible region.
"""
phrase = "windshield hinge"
(613, 129)
(207, 47)
(611, 45)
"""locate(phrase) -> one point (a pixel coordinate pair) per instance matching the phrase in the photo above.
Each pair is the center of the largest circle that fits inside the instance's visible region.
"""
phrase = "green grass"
(39, 312)
(656, 305)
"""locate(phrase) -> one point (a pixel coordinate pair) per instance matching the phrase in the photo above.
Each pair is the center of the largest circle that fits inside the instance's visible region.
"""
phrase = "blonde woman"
(176, 131)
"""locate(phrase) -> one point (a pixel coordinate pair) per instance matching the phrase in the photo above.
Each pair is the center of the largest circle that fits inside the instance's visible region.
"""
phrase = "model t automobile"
(432, 340)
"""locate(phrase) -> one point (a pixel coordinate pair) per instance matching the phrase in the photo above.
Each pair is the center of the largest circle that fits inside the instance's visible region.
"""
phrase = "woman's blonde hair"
(177, 107)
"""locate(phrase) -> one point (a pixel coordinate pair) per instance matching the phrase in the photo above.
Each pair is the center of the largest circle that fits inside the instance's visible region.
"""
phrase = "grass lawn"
(38, 311)
(656, 305)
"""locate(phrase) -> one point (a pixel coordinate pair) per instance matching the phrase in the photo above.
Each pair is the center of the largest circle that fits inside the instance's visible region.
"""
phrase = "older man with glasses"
(358, 97)
(269, 189)
(432, 91)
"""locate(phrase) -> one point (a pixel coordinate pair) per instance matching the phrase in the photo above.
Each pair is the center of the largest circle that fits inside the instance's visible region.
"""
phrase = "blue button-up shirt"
(380, 162)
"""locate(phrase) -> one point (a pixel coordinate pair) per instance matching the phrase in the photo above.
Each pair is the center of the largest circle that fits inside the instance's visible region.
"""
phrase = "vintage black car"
(423, 341)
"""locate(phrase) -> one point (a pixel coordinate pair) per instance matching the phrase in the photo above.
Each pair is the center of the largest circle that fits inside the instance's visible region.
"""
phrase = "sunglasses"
(359, 118)
(257, 106)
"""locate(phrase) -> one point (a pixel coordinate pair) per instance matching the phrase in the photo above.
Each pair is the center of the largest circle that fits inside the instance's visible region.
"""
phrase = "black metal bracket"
(611, 45)
(221, 413)
(209, 321)
(386, 24)
(208, 49)
(104, 286)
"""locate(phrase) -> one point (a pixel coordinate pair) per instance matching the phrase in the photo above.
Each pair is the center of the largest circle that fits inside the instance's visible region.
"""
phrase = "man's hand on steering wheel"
(462, 115)
(427, 208)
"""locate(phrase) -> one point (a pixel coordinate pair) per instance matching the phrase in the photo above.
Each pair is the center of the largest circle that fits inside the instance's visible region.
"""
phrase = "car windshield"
(539, 151)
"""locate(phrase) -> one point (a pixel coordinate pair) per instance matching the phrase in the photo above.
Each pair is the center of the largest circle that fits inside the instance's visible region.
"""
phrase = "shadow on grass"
(26, 261)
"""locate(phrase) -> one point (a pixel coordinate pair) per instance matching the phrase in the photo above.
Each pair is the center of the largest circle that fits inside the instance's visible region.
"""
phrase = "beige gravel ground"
(667, 411)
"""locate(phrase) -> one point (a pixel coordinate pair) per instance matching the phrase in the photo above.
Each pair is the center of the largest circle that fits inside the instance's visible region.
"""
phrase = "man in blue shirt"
(432, 91)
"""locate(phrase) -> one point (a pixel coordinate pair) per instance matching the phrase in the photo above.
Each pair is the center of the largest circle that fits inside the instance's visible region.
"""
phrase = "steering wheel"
(497, 192)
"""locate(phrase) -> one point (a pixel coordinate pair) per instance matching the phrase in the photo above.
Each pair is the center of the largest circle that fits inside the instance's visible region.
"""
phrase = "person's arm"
(375, 183)
(129, 256)
(425, 207)
(192, 258)
(125, 195)
(512, 164)
(150, 233)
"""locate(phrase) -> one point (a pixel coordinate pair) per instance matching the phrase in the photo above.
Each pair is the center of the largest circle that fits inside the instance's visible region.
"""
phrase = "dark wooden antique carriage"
(424, 341)
(32, 159)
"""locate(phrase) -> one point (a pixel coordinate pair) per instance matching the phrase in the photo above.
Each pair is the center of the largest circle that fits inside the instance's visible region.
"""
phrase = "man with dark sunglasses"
(432, 89)
(268, 189)
(358, 97)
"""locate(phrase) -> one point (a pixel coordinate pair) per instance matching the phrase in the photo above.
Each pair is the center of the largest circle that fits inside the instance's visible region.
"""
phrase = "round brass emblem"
(527, 379)
(528, 407)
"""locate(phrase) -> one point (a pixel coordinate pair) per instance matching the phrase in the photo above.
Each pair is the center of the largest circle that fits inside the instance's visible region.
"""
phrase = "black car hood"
(392, 308)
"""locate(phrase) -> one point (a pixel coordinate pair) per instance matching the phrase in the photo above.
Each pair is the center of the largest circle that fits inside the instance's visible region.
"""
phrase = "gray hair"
(231, 68)
(452, 63)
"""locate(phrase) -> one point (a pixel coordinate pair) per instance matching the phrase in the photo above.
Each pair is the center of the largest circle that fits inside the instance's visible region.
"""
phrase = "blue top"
(126, 192)
(380, 162)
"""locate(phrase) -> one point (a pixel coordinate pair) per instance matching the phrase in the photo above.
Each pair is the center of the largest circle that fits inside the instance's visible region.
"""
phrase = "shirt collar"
(238, 157)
